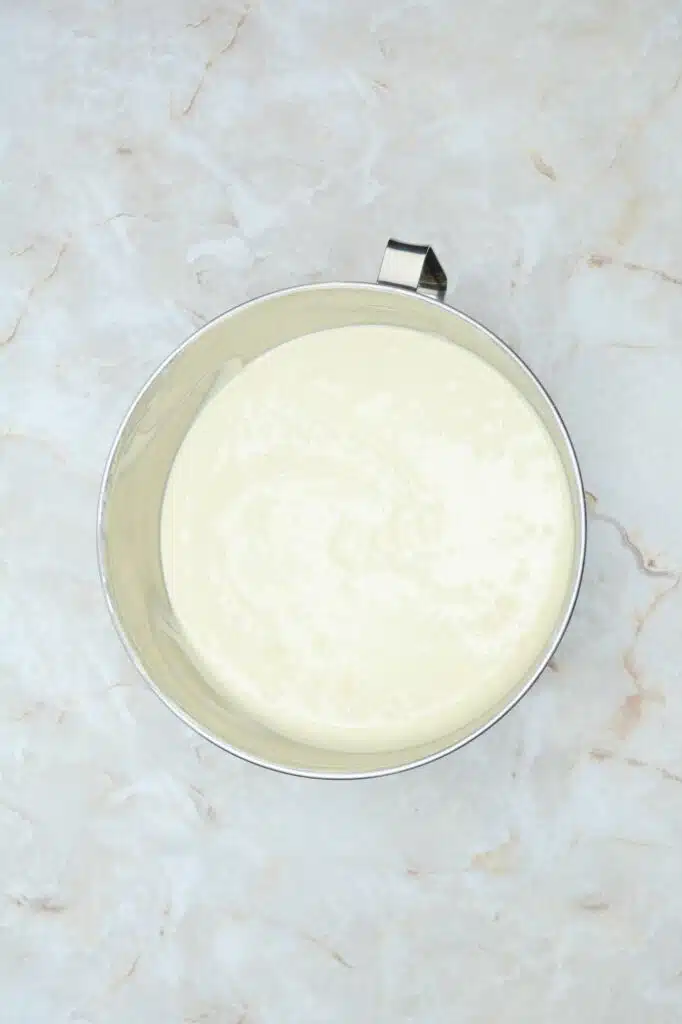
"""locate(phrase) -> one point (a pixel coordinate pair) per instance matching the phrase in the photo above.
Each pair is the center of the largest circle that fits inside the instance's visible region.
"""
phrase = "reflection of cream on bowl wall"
(342, 529)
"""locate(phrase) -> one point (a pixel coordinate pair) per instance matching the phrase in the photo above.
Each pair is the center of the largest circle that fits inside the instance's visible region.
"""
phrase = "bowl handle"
(415, 267)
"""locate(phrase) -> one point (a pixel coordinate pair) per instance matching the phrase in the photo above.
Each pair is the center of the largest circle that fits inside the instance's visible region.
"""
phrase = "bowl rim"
(197, 726)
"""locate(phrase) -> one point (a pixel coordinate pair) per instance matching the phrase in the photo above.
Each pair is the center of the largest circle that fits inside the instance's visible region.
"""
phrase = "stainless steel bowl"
(142, 455)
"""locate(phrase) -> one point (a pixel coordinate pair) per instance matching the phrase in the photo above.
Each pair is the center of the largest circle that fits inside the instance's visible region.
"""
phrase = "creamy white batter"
(367, 537)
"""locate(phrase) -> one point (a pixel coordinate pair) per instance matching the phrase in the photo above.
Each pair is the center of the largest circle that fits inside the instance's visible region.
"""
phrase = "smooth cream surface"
(367, 537)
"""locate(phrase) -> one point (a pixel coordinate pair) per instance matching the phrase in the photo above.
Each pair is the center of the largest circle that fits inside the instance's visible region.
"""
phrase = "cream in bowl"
(367, 536)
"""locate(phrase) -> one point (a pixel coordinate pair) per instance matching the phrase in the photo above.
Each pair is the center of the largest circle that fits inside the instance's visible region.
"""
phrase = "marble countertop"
(162, 161)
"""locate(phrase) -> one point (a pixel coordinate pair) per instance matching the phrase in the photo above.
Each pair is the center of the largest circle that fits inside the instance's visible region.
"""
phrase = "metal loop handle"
(415, 267)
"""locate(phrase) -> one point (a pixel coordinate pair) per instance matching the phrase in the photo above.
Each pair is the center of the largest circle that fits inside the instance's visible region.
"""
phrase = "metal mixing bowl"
(137, 469)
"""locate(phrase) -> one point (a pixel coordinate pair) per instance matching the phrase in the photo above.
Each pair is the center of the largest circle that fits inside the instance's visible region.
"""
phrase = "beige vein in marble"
(209, 64)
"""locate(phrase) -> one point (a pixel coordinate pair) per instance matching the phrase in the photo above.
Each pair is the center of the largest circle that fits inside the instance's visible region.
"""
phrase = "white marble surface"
(161, 161)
